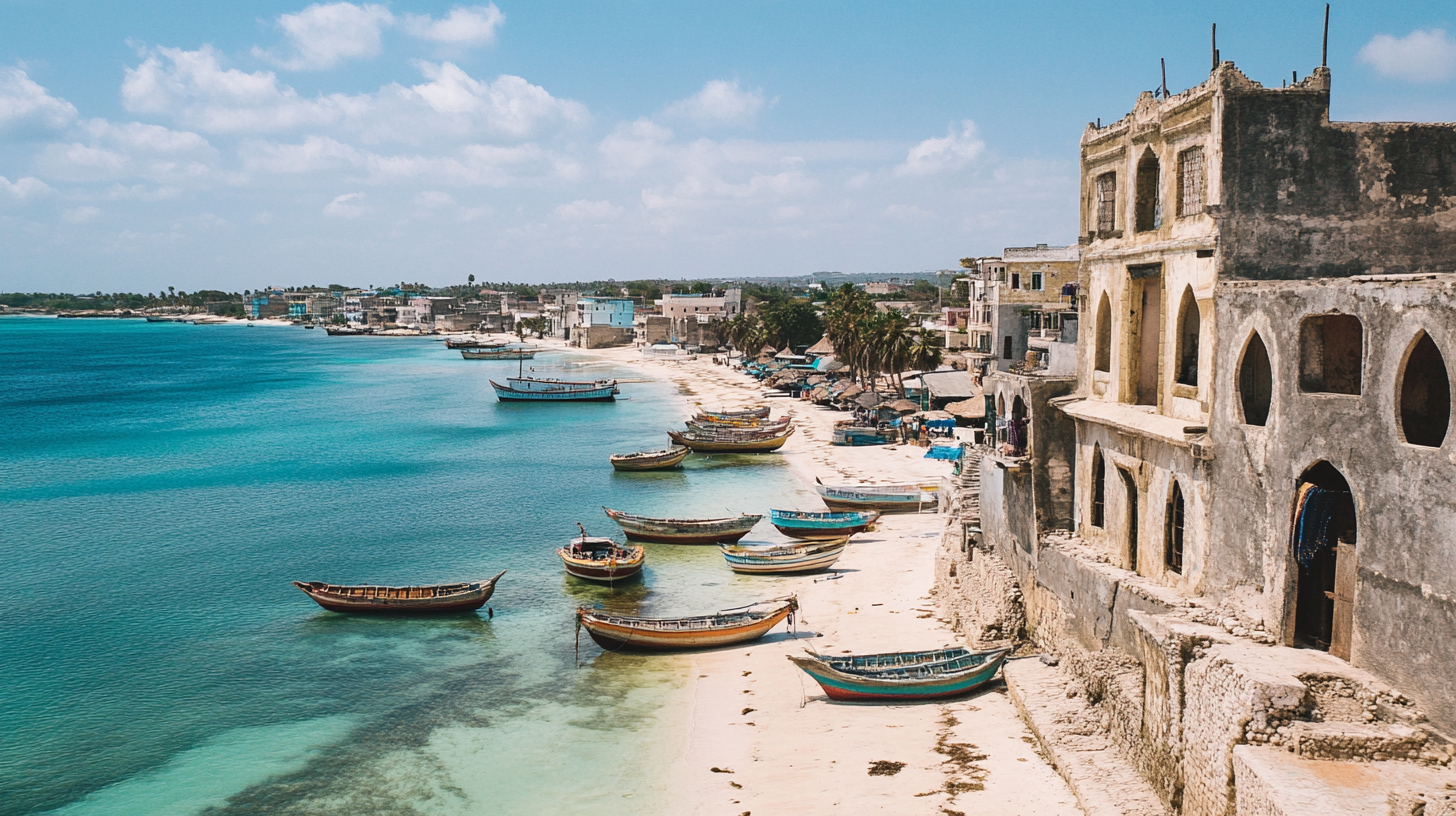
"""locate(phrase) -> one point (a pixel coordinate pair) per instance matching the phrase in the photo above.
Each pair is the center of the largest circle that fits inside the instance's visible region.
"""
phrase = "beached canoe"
(761, 412)
(758, 428)
(509, 352)
(601, 559)
(684, 531)
(370, 599)
(800, 524)
(651, 460)
(701, 632)
(903, 498)
(784, 559)
(716, 443)
(913, 678)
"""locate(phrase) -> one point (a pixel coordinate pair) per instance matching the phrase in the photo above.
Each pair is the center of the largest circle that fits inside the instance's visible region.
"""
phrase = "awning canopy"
(821, 347)
(973, 408)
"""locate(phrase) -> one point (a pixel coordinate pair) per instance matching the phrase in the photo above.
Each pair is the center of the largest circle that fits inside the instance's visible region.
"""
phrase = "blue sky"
(235, 145)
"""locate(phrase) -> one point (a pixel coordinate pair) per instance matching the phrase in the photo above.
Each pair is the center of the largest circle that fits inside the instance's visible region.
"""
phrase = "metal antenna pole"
(1325, 46)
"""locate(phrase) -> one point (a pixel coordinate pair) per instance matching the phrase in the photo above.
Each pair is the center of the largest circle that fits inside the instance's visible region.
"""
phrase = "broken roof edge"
(1226, 78)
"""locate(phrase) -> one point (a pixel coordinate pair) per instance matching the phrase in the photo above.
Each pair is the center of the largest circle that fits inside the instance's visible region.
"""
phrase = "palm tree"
(926, 353)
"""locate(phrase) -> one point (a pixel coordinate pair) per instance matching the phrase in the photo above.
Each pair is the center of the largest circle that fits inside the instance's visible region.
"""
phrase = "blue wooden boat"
(800, 524)
(916, 677)
(527, 389)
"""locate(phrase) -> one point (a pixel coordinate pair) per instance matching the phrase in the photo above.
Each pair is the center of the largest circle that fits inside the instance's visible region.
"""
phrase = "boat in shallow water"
(902, 676)
(784, 559)
(802, 524)
(370, 599)
(731, 443)
(723, 628)
(902, 498)
(505, 352)
(651, 460)
(683, 531)
(594, 558)
(527, 389)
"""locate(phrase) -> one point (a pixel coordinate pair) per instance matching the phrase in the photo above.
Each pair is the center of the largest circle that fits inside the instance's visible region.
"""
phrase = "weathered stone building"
(1256, 565)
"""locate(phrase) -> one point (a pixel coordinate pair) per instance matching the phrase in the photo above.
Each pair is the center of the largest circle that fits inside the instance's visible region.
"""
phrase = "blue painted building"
(595, 311)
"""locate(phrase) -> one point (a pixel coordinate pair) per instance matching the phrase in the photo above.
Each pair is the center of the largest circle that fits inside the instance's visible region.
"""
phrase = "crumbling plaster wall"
(1405, 603)
(1307, 198)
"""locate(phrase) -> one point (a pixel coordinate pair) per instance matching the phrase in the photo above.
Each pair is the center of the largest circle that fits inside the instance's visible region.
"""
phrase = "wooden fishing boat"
(509, 352)
(912, 679)
(784, 559)
(744, 422)
(601, 559)
(761, 412)
(346, 331)
(701, 632)
(367, 598)
(903, 498)
(470, 342)
(764, 428)
(526, 389)
(683, 531)
(855, 664)
(714, 443)
(799, 524)
(651, 460)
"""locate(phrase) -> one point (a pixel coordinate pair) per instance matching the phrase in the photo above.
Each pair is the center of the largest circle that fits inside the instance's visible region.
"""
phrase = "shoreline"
(761, 737)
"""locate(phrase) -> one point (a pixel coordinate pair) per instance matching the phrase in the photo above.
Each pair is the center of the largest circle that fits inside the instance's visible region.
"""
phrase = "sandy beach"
(764, 739)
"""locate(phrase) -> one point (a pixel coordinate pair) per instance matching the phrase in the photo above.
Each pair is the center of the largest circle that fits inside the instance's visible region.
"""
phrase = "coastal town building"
(689, 313)
(1232, 521)
(603, 322)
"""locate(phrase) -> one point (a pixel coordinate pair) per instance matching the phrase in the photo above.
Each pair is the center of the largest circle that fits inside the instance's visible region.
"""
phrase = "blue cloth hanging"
(1312, 528)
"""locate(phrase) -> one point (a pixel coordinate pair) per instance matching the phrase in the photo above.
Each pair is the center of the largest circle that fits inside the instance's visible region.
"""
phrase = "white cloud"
(131, 149)
(953, 152)
(434, 198)
(194, 88)
(1420, 56)
(80, 215)
(314, 154)
(323, 35)
(584, 210)
(719, 103)
(344, 206)
(26, 105)
(462, 26)
(24, 188)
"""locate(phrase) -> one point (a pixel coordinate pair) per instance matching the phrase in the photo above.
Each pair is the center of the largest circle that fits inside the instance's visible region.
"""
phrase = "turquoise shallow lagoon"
(161, 485)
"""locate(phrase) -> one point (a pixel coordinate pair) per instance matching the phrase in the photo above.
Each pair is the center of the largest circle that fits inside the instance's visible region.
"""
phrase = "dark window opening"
(1036, 281)
(1425, 395)
(1331, 350)
(1104, 335)
(1148, 210)
(1130, 490)
(1189, 322)
(1015, 280)
(1204, 253)
(1190, 182)
(1107, 202)
(1256, 382)
(1099, 488)
(1006, 348)
(1173, 552)
(1145, 342)
(1323, 547)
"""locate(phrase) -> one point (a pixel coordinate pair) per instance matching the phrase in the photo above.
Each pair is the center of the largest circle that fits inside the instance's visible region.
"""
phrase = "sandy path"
(779, 745)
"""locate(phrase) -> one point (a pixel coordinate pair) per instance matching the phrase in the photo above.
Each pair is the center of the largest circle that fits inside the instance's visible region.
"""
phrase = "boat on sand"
(901, 498)
(722, 628)
(902, 676)
(810, 525)
(784, 559)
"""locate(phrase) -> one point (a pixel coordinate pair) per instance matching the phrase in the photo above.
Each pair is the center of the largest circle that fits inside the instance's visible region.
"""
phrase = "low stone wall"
(978, 594)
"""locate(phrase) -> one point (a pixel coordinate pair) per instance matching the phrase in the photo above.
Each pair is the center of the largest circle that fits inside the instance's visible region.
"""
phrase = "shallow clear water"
(161, 485)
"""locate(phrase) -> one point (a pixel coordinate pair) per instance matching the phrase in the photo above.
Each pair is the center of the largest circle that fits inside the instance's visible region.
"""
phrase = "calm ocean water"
(161, 485)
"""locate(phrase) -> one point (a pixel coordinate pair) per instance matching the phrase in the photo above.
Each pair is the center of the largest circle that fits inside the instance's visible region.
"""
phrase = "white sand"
(797, 752)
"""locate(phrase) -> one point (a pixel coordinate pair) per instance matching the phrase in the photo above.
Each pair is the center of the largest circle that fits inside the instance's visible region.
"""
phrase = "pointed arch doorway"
(1322, 552)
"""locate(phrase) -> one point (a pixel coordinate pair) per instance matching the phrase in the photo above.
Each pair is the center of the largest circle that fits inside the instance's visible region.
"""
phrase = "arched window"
(1148, 210)
(1331, 353)
(1104, 334)
(1107, 202)
(1189, 322)
(1256, 382)
(1099, 488)
(1425, 394)
(1173, 531)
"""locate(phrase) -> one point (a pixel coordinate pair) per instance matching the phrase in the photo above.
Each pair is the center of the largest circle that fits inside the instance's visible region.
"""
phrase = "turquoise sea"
(162, 484)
